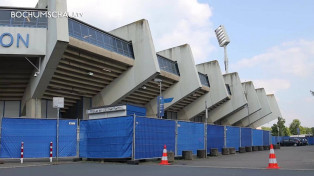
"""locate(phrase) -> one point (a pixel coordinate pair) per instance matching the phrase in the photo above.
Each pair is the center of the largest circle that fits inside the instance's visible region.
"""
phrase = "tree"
(266, 128)
(312, 129)
(294, 126)
(283, 130)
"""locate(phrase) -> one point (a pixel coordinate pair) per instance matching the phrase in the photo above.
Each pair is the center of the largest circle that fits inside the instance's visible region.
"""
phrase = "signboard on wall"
(22, 41)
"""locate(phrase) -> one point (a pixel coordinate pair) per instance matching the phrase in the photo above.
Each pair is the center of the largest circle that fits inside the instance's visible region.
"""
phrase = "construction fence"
(144, 138)
(36, 134)
(123, 137)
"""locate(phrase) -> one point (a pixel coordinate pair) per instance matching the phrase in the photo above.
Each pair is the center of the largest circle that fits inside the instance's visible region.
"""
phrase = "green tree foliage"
(266, 128)
(294, 126)
(283, 130)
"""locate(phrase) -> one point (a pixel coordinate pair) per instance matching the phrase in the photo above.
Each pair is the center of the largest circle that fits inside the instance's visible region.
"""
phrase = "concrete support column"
(33, 108)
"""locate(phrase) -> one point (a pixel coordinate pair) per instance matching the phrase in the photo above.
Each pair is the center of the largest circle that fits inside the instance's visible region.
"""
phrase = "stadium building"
(43, 56)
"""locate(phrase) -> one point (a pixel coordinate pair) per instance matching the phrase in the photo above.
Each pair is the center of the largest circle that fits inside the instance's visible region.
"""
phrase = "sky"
(272, 42)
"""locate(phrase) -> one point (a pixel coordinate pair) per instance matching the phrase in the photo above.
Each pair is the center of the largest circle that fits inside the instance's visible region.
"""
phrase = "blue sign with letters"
(160, 102)
(7, 40)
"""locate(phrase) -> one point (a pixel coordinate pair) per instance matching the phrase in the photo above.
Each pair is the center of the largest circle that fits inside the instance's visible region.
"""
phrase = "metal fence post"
(176, 140)
(240, 137)
(57, 152)
(225, 136)
(252, 137)
(78, 138)
(205, 128)
(133, 142)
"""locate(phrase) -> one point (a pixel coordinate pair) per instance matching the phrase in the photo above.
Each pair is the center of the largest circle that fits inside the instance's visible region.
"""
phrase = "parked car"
(290, 142)
(304, 142)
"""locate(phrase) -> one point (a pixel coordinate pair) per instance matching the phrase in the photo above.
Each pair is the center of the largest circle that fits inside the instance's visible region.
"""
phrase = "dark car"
(304, 142)
(290, 142)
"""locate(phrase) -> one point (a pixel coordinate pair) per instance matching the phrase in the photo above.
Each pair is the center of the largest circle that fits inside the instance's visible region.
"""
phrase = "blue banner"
(215, 137)
(233, 137)
(106, 138)
(246, 137)
(160, 106)
(37, 135)
(257, 137)
(151, 135)
(190, 137)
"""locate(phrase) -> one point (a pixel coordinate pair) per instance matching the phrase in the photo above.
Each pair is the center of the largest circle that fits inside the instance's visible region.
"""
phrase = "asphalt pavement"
(292, 160)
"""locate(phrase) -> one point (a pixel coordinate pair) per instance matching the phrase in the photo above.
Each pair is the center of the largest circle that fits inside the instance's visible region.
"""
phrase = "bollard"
(187, 155)
(50, 158)
(22, 152)
(214, 152)
(232, 150)
(170, 156)
(248, 149)
(242, 150)
(201, 153)
(225, 151)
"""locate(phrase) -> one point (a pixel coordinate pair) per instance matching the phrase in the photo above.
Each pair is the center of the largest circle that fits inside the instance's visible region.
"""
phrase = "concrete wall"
(145, 66)
(265, 110)
(56, 42)
(47, 111)
(274, 115)
(189, 79)
(253, 105)
(217, 92)
(237, 99)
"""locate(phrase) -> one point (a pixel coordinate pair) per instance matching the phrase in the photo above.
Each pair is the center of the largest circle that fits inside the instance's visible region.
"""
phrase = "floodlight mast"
(223, 40)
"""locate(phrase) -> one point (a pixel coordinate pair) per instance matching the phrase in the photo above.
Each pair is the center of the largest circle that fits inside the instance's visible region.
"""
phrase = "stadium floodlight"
(223, 40)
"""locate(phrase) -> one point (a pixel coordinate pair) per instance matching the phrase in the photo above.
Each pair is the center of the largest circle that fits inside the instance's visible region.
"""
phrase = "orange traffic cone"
(164, 158)
(272, 159)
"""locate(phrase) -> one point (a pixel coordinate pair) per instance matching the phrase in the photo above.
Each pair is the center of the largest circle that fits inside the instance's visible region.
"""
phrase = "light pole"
(223, 40)
(159, 81)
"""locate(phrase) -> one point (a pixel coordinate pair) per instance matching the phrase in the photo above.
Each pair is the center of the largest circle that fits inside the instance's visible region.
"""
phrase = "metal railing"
(204, 79)
(37, 21)
(94, 36)
(168, 65)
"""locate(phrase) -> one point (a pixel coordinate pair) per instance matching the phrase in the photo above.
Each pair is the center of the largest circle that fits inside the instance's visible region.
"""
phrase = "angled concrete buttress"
(262, 98)
(236, 102)
(145, 66)
(189, 84)
(252, 107)
(274, 115)
(57, 41)
(215, 97)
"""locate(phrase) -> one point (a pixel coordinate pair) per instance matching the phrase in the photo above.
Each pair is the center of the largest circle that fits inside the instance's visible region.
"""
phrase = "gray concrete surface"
(292, 160)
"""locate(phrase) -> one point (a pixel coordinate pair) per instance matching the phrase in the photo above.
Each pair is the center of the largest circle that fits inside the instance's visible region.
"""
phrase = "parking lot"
(292, 160)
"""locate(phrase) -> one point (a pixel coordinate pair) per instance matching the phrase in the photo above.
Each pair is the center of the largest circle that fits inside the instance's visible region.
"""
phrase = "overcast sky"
(272, 42)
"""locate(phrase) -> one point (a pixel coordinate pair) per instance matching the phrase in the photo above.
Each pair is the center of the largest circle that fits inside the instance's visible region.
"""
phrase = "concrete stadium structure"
(274, 115)
(252, 107)
(42, 58)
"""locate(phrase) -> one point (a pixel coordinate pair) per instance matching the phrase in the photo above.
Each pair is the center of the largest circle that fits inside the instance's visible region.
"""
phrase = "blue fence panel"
(246, 137)
(274, 140)
(215, 137)
(151, 135)
(106, 138)
(37, 135)
(266, 137)
(67, 138)
(233, 137)
(190, 137)
(257, 137)
(310, 140)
